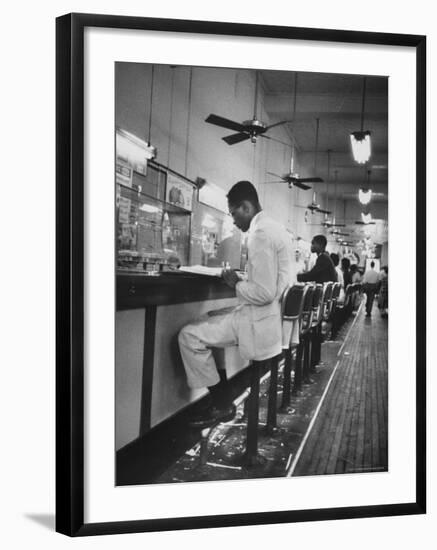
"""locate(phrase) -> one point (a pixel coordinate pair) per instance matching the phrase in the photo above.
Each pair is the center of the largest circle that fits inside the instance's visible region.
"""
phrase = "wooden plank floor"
(350, 431)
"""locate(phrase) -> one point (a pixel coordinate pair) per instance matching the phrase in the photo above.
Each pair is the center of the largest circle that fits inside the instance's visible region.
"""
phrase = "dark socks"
(220, 393)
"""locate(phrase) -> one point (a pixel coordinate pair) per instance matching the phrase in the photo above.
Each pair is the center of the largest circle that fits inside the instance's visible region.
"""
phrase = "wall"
(182, 99)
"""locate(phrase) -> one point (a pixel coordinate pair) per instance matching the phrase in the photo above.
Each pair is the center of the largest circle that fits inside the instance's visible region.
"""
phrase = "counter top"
(137, 290)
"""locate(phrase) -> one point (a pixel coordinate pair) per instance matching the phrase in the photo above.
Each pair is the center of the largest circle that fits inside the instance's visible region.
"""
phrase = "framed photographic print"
(230, 356)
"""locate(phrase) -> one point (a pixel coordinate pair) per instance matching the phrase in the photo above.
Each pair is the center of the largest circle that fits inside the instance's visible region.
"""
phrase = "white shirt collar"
(255, 221)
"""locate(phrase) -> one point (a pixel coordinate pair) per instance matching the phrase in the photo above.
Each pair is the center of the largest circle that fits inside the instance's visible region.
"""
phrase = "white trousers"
(218, 329)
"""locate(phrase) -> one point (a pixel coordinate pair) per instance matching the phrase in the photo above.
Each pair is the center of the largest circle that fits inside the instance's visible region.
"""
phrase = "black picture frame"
(70, 273)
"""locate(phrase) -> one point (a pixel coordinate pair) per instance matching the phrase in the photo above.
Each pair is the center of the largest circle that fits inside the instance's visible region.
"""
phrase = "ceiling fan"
(314, 207)
(339, 233)
(248, 129)
(292, 178)
(327, 222)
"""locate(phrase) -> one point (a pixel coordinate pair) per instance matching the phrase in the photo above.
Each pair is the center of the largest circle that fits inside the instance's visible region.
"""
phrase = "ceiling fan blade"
(310, 180)
(280, 181)
(225, 123)
(323, 211)
(338, 225)
(278, 124)
(236, 138)
(274, 139)
(298, 183)
(273, 174)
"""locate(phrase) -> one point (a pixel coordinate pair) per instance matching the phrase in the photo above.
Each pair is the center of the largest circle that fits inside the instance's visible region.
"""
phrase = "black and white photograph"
(219, 333)
(239, 272)
(252, 273)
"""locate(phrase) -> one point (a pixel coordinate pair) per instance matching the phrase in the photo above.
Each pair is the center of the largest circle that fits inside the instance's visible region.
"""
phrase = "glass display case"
(151, 233)
(164, 220)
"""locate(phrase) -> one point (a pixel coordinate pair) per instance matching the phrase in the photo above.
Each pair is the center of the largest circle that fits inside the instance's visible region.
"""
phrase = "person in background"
(355, 274)
(345, 267)
(336, 260)
(255, 324)
(370, 283)
(383, 291)
(323, 270)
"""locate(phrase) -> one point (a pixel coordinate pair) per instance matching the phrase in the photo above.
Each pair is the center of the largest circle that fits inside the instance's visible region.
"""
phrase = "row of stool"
(344, 309)
(303, 304)
(316, 308)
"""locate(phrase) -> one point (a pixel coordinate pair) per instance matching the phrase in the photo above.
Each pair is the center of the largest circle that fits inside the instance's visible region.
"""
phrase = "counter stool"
(346, 308)
(327, 307)
(305, 323)
(250, 456)
(251, 412)
(292, 310)
(312, 348)
(334, 314)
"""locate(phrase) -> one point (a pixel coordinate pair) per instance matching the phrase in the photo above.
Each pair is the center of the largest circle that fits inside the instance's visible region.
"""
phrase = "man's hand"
(230, 277)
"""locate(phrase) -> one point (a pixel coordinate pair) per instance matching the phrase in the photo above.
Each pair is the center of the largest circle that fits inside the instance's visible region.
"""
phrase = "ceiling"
(336, 100)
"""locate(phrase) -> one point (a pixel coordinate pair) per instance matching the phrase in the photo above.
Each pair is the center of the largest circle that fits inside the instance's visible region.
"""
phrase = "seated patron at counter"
(324, 269)
(255, 324)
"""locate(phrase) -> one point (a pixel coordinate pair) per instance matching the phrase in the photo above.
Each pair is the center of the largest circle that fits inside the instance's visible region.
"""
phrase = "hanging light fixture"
(365, 193)
(360, 141)
(367, 218)
(365, 196)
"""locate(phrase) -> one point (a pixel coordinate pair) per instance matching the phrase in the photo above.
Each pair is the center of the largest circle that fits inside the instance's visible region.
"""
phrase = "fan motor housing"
(255, 126)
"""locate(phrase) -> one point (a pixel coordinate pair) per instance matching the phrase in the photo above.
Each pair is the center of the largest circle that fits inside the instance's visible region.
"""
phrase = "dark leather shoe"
(213, 415)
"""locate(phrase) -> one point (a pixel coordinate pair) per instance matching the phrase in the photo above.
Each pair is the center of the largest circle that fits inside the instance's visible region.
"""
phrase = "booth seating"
(305, 324)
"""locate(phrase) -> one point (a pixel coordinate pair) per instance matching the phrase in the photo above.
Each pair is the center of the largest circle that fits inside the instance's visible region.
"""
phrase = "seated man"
(323, 270)
(255, 324)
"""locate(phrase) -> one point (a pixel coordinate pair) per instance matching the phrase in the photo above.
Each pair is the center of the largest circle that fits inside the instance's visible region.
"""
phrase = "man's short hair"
(320, 240)
(243, 191)
(372, 264)
(345, 262)
(335, 258)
